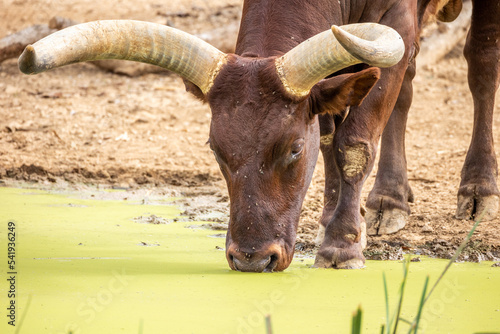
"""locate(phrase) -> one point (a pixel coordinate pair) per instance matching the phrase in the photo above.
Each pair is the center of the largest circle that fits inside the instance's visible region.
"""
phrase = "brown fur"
(266, 141)
(387, 203)
(478, 188)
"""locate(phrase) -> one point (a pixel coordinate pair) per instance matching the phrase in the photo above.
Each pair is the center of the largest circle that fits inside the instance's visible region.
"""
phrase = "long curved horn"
(321, 55)
(177, 51)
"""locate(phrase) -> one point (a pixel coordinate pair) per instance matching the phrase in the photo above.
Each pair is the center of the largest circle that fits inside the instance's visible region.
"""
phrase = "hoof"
(472, 207)
(385, 222)
(347, 257)
(354, 263)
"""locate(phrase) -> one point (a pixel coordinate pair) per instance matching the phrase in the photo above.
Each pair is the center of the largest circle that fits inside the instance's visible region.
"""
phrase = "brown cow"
(387, 205)
(265, 101)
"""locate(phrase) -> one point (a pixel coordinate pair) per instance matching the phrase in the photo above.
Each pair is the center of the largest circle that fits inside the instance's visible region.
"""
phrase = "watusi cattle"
(305, 76)
(478, 195)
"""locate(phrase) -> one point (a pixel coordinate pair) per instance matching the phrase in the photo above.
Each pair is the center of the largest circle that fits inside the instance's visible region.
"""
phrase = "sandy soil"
(78, 127)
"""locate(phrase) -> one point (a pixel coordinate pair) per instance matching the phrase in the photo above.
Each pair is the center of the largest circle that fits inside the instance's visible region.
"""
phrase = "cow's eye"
(297, 148)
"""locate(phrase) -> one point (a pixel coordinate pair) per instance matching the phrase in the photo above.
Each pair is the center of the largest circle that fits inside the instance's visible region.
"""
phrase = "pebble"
(427, 228)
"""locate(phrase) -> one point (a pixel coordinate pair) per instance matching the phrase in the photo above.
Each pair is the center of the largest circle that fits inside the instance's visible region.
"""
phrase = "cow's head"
(266, 143)
(264, 131)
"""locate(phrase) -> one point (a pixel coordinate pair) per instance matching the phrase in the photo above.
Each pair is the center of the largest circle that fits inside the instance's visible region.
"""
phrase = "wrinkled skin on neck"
(266, 145)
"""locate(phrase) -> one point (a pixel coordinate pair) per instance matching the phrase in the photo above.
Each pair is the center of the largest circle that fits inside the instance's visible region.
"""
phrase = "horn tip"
(385, 48)
(27, 60)
(340, 34)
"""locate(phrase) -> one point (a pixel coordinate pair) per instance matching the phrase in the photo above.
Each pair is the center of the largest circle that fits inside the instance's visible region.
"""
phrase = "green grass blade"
(386, 292)
(457, 253)
(141, 326)
(382, 329)
(408, 322)
(452, 260)
(21, 321)
(406, 266)
(356, 321)
(269, 329)
(414, 327)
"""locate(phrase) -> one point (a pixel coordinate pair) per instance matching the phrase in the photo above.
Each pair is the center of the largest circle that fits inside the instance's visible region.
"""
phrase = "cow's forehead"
(250, 109)
(257, 124)
(248, 79)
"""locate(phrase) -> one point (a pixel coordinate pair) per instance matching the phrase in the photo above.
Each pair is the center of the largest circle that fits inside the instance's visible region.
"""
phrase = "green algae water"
(88, 267)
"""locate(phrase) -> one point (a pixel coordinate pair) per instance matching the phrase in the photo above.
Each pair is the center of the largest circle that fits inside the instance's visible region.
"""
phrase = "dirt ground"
(79, 127)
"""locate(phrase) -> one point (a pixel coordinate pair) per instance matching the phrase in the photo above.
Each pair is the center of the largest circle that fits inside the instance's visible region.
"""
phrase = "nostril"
(231, 260)
(237, 264)
(273, 261)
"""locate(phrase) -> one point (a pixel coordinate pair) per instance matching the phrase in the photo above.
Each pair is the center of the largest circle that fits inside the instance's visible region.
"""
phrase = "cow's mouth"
(268, 259)
(264, 265)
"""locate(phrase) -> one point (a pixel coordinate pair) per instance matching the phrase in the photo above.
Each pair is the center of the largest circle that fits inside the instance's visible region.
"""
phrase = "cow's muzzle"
(268, 259)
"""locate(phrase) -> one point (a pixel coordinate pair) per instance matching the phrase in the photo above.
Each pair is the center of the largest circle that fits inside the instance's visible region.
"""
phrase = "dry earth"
(78, 127)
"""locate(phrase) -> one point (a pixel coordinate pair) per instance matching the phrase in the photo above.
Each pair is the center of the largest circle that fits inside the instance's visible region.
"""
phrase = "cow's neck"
(273, 27)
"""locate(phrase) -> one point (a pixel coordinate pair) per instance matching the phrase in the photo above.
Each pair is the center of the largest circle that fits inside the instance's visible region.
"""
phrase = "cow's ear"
(450, 11)
(334, 94)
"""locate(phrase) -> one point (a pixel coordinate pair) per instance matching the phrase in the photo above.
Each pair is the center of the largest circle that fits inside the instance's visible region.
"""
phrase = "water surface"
(90, 268)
